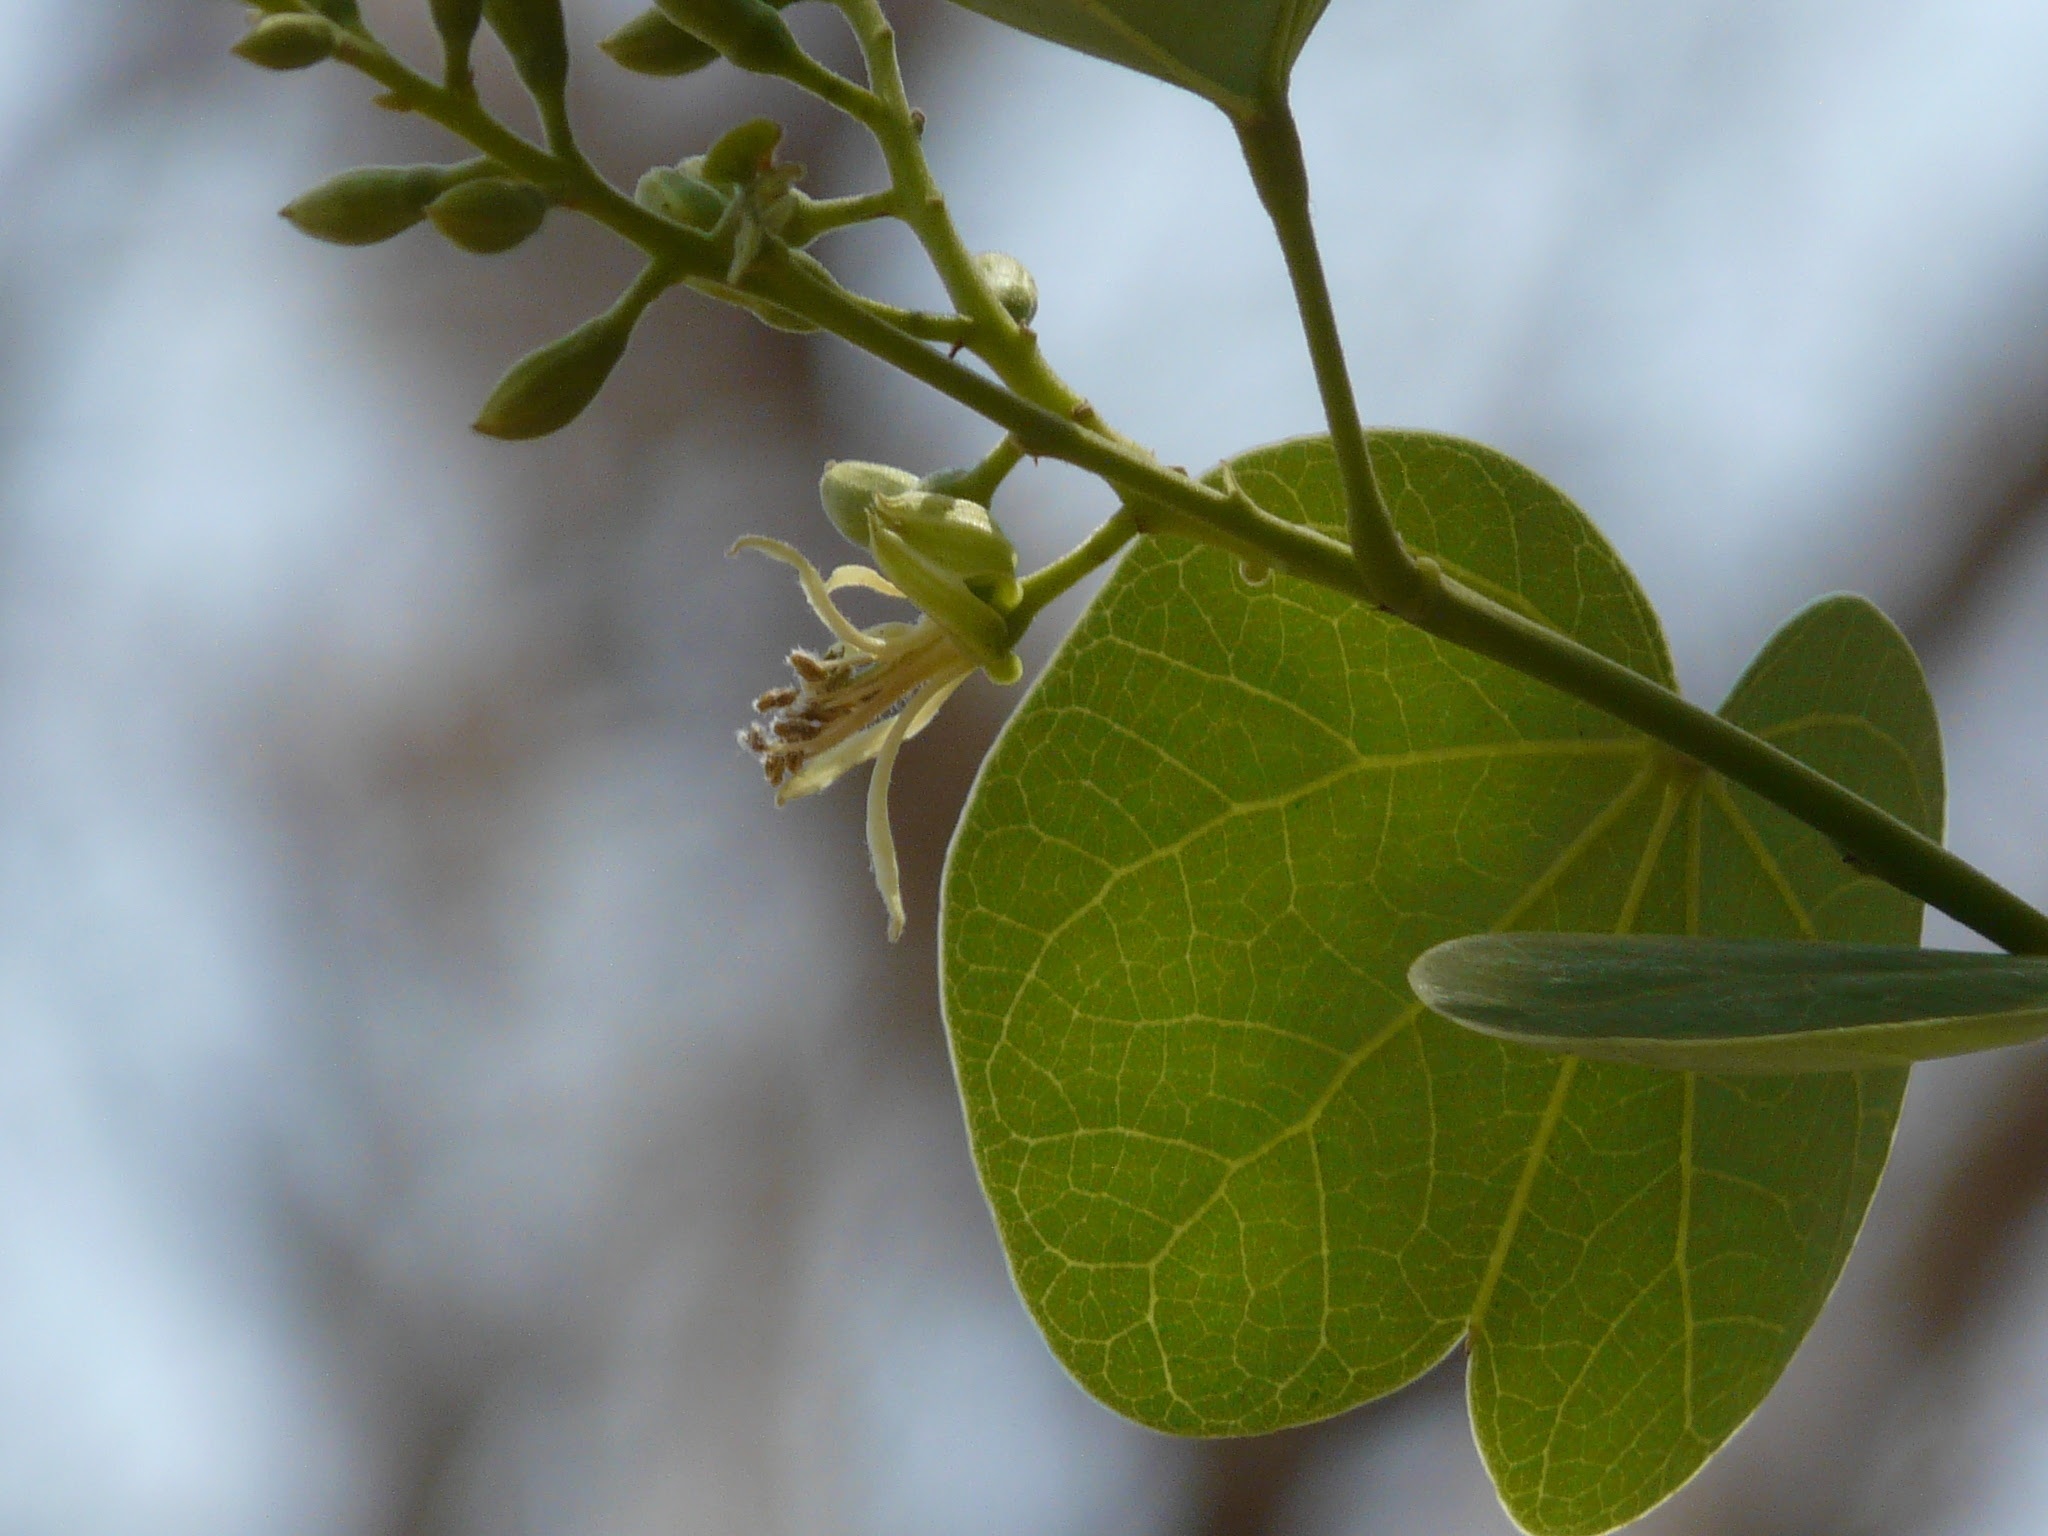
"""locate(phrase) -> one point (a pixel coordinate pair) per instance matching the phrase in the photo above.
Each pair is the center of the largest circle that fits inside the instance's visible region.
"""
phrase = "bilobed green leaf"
(1237, 53)
(1734, 1005)
(1243, 1178)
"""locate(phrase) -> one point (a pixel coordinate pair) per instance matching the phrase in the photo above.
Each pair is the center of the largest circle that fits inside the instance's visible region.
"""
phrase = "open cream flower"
(860, 699)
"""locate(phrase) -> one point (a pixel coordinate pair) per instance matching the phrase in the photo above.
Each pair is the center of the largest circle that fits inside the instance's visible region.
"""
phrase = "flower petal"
(881, 840)
(936, 692)
(861, 576)
(815, 589)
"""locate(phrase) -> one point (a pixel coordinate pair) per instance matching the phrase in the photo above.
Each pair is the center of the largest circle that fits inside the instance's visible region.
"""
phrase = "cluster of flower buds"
(736, 193)
(735, 190)
(474, 205)
(943, 553)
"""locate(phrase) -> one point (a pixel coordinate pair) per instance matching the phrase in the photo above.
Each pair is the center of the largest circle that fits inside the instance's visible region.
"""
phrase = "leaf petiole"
(1091, 554)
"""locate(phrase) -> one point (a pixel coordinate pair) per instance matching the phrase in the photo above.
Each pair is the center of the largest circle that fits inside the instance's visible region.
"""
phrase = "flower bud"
(676, 195)
(979, 630)
(546, 390)
(751, 33)
(1014, 287)
(742, 154)
(651, 44)
(456, 21)
(287, 42)
(957, 536)
(341, 12)
(850, 489)
(531, 31)
(490, 214)
(364, 206)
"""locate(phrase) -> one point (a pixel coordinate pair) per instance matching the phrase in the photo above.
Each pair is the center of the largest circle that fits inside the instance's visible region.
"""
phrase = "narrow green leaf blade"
(1734, 1005)
(1237, 53)
(1244, 1180)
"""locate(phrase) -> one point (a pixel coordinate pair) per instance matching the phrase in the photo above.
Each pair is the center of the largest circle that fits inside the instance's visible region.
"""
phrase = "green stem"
(820, 216)
(1419, 593)
(1170, 502)
(832, 87)
(1007, 347)
(1048, 582)
(952, 330)
(570, 179)
(1272, 152)
(1162, 500)
(1881, 844)
(983, 480)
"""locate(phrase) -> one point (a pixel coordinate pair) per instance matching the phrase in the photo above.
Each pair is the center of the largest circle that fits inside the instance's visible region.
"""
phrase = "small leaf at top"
(1237, 53)
(1734, 1005)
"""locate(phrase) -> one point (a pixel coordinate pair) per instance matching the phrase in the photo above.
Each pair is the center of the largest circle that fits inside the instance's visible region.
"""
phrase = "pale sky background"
(441, 1095)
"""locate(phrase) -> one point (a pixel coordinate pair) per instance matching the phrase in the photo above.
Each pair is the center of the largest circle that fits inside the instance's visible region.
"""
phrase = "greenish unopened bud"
(531, 31)
(850, 489)
(677, 195)
(342, 12)
(742, 155)
(651, 44)
(751, 33)
(546, 390)
(980, 631)
(287, 42)
(957, 536)
(364, 206)
(490, 214)
(1014, 287)
(456, 21)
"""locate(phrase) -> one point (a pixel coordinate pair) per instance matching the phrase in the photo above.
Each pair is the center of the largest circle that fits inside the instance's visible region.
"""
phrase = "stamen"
(825, 769)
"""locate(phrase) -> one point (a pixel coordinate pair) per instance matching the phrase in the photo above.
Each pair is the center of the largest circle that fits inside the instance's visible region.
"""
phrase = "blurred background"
(439, 1095)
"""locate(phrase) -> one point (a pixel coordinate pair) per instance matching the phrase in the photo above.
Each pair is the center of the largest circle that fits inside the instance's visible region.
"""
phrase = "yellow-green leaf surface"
(1734, 1005)
(1237, 53)
(1244, 1180)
